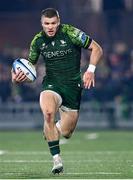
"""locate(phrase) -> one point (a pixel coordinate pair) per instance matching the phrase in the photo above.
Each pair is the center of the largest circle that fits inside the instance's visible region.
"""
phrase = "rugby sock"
(54, 147)
(56, 156)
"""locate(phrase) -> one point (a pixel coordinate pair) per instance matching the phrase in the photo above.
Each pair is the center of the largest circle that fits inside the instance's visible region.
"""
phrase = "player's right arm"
(34, 49)
(18, 77)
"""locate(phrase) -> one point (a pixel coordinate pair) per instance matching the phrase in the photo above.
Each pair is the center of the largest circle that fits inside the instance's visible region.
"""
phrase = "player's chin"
(51, 34)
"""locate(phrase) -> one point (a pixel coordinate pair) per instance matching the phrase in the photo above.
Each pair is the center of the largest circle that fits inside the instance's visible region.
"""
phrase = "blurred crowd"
(114, 75)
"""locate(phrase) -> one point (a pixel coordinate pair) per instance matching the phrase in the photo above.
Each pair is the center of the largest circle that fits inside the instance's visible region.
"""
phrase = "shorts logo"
(50, 85)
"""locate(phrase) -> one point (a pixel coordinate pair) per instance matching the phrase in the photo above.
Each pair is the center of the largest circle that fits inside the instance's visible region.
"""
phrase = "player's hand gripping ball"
(26, 67)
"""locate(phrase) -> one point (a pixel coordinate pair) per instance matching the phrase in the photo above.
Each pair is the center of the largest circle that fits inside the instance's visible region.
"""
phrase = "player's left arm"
(96, 54)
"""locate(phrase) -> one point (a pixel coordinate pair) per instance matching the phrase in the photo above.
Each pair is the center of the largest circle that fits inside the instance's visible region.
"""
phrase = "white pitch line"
(87, 173)
(75, 173)
(91, 136)
(66, 161)
(26, 152)
(25, 161)
(64, 153)
(2, 152)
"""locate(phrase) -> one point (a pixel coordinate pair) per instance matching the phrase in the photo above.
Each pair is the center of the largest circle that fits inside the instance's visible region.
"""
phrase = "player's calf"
(65, 133)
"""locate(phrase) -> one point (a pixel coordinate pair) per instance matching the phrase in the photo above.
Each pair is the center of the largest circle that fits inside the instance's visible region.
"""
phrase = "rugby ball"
(25, 66)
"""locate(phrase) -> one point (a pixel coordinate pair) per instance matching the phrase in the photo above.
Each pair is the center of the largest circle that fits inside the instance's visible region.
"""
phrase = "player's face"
(50, 25)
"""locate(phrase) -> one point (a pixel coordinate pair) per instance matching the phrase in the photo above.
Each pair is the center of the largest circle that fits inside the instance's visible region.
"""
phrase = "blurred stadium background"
(110, 104)
(104, 148)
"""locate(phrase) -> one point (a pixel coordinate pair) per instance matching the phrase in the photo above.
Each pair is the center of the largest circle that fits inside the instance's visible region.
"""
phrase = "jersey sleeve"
(77, 36)
(34, 51)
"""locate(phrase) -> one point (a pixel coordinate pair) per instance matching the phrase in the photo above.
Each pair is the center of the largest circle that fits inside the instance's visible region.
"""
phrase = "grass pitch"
(87, 155)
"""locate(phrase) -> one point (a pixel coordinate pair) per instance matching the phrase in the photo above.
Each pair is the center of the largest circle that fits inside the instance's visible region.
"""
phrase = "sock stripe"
(53, 146)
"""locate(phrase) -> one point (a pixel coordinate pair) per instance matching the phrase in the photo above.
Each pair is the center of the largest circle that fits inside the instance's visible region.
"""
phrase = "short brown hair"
(50, 12)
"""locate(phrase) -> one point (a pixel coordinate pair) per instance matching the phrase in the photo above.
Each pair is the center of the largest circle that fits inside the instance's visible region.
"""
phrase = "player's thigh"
(68, 120)
(49, 102)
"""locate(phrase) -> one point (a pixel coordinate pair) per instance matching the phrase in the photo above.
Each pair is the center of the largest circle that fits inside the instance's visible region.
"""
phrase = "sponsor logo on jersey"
(53, 54)
(79, 85)
(82, 37)
(44, 46)
(63, 43)
(53, 43)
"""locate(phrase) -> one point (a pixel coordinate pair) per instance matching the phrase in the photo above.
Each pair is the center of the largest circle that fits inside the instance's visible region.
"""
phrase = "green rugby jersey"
(61, 53)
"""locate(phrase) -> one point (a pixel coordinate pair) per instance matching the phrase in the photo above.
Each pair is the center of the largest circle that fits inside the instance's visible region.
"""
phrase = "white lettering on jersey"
(51, 54)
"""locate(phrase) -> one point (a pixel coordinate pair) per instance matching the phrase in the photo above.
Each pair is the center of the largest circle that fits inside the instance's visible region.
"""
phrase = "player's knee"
(49, 115)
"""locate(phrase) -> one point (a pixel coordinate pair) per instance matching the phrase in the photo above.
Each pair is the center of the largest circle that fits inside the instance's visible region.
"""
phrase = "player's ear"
(41, 21)
(58, 21)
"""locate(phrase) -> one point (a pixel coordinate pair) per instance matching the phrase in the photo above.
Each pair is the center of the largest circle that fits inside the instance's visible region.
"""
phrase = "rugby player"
(60, 45)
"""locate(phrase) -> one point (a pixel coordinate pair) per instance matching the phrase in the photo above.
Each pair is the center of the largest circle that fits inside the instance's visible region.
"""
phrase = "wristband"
(91, 68)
